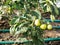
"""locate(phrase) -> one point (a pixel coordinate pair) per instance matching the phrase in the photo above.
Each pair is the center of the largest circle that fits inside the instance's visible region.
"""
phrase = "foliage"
(49, 6)
(24, 22)
(25, 12)
(23, 25)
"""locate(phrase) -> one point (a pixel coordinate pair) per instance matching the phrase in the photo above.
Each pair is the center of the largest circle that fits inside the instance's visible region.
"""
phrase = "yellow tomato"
(37, 22)
(49, 27)
(43, 26)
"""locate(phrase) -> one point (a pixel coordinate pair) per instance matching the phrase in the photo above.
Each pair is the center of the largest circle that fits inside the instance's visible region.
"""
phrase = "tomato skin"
(37, 22)
(43, 26)
(49, 27)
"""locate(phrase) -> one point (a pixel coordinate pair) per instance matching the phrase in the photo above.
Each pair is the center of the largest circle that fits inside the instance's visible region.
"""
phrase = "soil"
(52, 34)
(47, 15)
(53, 43)
(47, 34)
(55, 23)
(6, 37)
(4, 23)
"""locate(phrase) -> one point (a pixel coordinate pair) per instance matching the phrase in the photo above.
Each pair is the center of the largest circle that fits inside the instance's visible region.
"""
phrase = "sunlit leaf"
(52, 17)
(22, 30)
(51, 3)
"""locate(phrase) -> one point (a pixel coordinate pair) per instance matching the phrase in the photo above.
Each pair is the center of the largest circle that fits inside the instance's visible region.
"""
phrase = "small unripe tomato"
(37, 22)
(43, 26)
(49, 27)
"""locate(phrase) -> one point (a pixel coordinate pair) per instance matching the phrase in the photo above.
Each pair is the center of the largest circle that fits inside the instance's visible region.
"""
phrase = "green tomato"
(43, 26)
(37, 22)
(49, 27)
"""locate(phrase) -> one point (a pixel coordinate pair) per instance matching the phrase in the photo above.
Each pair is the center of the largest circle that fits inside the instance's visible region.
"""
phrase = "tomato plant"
(27, 20)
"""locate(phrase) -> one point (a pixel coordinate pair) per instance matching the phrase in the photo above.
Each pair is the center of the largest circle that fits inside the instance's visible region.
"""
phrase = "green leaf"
(25, 7)
(51, 3)
(38, 12)
(43, 2)
(52, 17)
(22, 30)
(45, 5)
(7, 2)
(23, 24)
(14, 21)
(56, 10)
(49, 9)
(13, 30)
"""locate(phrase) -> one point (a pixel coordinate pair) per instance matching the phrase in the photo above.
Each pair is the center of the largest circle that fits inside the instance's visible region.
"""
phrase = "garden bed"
(47, 34)
(27, 12)
(10, 40)
(47, 15)
(4, 23)
(6, 37)
(54, 33)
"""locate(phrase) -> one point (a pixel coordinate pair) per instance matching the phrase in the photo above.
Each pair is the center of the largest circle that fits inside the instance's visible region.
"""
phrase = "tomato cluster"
(42, 26)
